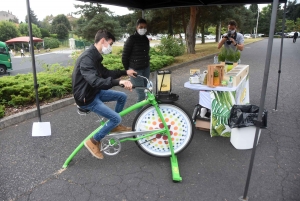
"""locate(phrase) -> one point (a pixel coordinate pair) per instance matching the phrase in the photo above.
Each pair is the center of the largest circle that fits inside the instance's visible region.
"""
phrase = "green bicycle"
(161, 129)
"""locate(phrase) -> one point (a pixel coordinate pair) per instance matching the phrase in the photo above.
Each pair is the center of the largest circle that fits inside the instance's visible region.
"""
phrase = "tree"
(8, 30)
(61, 19)
(292, 10)
(44, 32)
(33, 18)
(62, 31)
(24, 31)
(45, 23)
(61, 26)
(95, 17)
(191, 30)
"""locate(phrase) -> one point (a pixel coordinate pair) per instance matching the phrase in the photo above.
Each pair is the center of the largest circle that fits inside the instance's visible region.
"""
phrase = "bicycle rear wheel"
(178, 121)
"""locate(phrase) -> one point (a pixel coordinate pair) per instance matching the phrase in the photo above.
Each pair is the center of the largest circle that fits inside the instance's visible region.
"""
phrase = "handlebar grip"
(122, 85)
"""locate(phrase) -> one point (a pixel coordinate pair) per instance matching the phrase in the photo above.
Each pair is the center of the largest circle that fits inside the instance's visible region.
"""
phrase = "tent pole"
(33, 62)
(280, 58)
(263, 93)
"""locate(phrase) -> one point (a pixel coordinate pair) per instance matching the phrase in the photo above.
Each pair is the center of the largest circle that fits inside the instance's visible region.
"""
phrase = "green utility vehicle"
(5, 59)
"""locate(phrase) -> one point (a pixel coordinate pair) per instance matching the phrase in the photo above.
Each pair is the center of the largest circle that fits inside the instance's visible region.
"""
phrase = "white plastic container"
(243, 138)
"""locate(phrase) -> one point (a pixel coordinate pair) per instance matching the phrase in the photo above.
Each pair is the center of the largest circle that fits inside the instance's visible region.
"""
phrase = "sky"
(42, 8)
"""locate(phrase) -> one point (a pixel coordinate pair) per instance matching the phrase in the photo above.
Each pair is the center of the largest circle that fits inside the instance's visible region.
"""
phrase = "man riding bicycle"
(91, 82)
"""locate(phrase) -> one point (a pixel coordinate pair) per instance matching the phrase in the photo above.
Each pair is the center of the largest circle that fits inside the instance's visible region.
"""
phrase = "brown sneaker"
(120, 128)
(93, 146)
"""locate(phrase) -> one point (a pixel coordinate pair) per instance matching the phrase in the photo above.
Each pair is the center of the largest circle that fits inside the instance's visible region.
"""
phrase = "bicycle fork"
(174, 162)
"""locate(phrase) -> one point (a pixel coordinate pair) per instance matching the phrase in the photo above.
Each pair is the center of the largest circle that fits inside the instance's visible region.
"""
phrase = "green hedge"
(51, 43)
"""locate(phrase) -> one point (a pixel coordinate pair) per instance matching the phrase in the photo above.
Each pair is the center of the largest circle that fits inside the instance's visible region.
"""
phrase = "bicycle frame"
(128, 136)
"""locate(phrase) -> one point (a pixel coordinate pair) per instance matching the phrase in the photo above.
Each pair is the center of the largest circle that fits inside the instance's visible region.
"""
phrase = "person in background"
(295, 37)
(136, 56)
(232, 39)
(22, 52)
(91, 82)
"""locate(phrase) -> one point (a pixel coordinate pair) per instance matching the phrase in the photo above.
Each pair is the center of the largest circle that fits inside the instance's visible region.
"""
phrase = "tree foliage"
(61, 26)
(8, 30)
(95, 17)
(33, 18)
(46, 22)
(24, 31)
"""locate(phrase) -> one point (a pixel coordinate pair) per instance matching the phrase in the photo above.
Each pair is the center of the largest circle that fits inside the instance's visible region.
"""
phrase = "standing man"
(136, 56)
(232, 39)
(295, 37)
(91, 82)
(22, 52)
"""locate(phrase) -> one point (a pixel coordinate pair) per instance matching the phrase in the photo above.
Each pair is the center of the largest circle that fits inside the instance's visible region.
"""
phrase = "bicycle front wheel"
(180, 127)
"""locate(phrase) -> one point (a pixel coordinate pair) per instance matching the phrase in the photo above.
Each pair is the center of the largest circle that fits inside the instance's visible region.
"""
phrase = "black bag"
(246, 115)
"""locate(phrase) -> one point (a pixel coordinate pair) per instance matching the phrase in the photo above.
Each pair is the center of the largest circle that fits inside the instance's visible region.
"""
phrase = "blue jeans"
(140, 82)
(98, 106)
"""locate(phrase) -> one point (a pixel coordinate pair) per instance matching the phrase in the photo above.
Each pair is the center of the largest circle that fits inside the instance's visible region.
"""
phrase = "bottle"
(230, 83)
(216, 60)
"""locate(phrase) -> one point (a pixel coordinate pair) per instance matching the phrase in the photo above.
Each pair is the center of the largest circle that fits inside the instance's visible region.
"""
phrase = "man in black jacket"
(295, 37)
(91, 81)
(136, 56)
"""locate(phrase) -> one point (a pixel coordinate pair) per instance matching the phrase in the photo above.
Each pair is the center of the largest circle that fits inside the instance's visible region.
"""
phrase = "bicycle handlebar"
(141, 87)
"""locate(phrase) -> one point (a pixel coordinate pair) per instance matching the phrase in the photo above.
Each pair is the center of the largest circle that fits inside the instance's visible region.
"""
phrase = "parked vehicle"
(290, 35)
(5, 59)
(210, 37)
(285, 35)
(247, 36)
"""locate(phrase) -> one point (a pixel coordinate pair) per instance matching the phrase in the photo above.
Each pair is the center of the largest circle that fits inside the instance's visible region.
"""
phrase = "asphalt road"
(212, 169)
(23, 65)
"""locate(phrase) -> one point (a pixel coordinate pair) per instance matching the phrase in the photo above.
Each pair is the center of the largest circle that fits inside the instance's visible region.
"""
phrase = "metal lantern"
(163, 82)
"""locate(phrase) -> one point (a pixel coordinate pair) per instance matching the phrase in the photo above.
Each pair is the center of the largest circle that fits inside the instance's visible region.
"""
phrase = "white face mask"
(142, 31)
(232, 31)
(106, 50)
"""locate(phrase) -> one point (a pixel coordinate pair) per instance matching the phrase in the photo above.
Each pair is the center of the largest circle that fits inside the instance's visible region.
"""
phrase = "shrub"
(51, 43)
(171, 46)
(229, 54)
(2, 111)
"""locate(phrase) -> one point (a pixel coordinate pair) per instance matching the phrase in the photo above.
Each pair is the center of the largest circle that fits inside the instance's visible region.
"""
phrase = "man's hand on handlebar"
(126, 84)
(131, 73)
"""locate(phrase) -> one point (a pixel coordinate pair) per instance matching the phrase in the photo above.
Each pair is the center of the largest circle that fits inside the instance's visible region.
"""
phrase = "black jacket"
(90, 76)
(136, 52)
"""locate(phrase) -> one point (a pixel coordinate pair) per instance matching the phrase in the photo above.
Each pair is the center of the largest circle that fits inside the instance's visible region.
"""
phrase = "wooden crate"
(210, 75)
(203, 124)
(238, 74)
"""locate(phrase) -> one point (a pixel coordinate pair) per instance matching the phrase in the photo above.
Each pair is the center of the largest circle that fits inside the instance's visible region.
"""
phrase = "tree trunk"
(170, 30)
(191, 30)
(218, 32)
(202, 33)
(183, 20)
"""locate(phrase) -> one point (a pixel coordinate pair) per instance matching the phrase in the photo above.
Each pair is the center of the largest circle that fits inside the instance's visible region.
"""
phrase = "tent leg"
(33, 61)
(280, 58)
(263, 92)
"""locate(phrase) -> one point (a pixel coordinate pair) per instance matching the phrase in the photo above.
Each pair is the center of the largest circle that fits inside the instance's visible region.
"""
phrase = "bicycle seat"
(83, 110)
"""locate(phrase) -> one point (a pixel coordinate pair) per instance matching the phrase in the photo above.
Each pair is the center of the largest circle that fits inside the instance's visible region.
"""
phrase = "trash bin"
(241, 121)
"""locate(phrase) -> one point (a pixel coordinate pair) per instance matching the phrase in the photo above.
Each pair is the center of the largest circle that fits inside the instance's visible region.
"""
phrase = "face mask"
(142, 31)
(106, 50)
(232, 31)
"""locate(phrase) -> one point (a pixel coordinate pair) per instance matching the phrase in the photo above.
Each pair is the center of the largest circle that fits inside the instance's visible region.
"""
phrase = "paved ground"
(212, 169)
